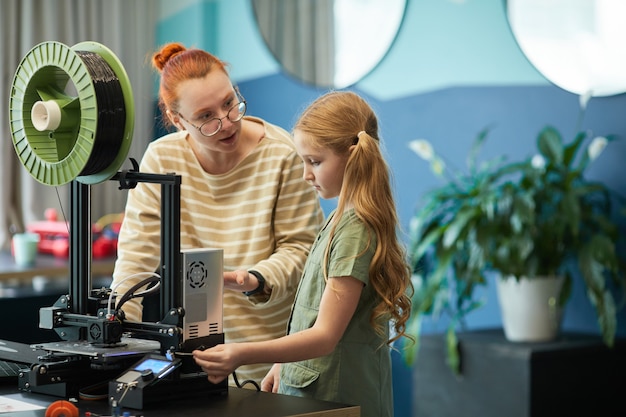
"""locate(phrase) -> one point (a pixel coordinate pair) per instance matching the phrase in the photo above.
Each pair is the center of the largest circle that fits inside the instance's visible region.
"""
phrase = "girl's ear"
(351, 148)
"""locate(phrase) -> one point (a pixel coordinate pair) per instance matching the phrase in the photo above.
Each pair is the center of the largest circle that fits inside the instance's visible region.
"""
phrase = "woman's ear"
(174, 119)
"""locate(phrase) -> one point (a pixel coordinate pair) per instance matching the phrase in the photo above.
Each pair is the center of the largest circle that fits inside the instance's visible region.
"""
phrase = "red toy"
(54, 235)
(62, 408)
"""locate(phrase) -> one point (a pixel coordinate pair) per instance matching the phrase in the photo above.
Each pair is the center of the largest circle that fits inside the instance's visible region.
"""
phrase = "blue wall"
(453, 70)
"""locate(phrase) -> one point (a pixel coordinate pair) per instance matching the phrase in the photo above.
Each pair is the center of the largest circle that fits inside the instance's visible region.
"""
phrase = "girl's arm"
(337, 307)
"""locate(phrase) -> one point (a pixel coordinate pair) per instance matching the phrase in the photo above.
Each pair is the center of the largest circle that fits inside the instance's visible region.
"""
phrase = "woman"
(241, 191)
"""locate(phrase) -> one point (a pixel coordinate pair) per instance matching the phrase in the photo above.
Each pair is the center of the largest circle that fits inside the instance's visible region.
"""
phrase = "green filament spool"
(71, 113)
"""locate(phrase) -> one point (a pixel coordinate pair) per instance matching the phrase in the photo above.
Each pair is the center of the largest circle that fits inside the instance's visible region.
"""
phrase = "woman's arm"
(297, 218)
(338, 304)
(272, 379)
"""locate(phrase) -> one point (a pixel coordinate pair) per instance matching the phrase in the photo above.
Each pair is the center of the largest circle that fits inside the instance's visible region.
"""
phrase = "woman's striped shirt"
(261, 213)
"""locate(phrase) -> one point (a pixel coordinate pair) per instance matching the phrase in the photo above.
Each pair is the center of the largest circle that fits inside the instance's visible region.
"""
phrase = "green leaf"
(458, 225)
(433, 288)
(607, 319)
(571, 211)
(422, 245)
(570, 151)
(550, 145)
(566, 291)
(478, 142)
(592, 272)
(452, 348)
(411, 351)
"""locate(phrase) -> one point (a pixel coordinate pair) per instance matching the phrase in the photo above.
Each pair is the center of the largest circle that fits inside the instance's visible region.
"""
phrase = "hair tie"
(360, 133)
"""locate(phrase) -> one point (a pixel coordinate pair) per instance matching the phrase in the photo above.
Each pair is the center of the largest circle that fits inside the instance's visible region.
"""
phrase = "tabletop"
(48, 266)
(238, 402)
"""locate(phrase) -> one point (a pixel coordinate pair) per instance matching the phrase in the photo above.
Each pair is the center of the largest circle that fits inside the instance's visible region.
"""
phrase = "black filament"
(111, 121)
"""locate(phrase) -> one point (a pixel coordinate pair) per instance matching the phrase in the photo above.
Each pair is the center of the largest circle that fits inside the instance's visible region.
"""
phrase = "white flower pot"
(529, 307)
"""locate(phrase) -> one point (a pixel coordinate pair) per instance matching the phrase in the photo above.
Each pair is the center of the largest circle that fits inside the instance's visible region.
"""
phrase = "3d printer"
(83, 139)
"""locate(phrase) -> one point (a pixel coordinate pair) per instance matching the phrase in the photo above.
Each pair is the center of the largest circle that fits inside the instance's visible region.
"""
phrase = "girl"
(355, 281)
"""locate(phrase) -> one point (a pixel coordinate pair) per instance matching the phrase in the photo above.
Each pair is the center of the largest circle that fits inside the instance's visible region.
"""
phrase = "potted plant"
(539, 217)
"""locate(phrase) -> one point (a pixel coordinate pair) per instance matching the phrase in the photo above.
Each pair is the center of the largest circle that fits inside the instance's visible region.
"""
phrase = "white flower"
(437, 166)
(422, 148)
(538, 162)
(596, 147)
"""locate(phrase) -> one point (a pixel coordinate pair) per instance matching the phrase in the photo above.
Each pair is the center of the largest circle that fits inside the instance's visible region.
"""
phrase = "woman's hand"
(240, 280)
(271, 380)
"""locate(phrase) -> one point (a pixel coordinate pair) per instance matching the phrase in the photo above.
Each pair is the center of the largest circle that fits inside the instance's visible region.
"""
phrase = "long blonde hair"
(337, 121)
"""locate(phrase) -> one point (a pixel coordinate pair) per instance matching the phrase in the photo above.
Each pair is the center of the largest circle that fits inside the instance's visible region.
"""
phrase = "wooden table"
(48, 266)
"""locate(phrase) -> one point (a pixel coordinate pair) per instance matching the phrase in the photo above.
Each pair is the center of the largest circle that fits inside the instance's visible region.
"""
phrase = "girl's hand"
(218, 362)
(271, 380)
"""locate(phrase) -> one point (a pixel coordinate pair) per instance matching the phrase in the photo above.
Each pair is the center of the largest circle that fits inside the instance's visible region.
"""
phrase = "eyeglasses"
(212, 126)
